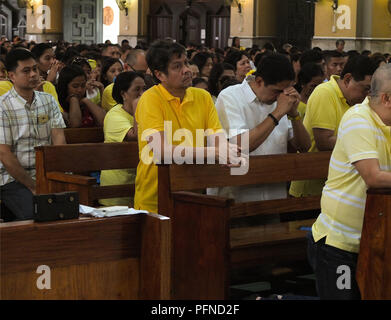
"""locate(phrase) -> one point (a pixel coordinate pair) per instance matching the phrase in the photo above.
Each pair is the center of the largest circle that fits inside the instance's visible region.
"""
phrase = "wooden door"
(83, 21)
(219, 28)
(297, 19)
(189, 27)
(160, 23)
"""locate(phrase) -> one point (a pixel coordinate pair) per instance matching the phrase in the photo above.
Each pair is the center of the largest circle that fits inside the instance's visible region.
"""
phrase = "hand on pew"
(230, 155)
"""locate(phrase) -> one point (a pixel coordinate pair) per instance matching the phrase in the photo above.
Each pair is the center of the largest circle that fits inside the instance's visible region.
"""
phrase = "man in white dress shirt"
(261, 106)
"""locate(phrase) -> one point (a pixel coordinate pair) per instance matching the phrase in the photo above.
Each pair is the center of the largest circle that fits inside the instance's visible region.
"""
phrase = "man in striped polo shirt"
(361, 159)
(28, 119)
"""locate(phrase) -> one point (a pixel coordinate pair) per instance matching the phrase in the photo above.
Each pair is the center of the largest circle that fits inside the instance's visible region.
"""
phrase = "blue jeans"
(18, 199)
(335, 270)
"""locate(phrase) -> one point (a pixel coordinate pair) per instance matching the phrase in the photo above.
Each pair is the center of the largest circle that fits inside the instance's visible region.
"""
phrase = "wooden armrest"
(203, 199)
(269, 233)
(71, 178)
(247, 209)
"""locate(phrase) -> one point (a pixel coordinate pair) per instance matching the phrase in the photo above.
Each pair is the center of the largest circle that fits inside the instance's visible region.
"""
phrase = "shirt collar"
(15, 94)
(334, 84)
(248, 92)
(189, 97)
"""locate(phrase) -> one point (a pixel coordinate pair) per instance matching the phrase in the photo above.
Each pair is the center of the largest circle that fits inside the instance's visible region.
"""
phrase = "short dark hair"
(366, 53)
(16, 55)
(234, 57)
(199, 80)
(359, 67)
(309, 71)
(215, 74)
(122, 83)
(310, 56)
(353, 53)
(328, 54)
(229, 82)
(269, 46)
(160, 54)
(339, 41)
(275, 68)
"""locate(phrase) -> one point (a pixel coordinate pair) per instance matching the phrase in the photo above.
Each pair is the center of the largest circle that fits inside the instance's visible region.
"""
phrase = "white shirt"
(239, 108)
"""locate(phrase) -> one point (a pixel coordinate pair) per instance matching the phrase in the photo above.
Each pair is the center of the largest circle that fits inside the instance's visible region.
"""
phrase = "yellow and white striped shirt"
(362, 135)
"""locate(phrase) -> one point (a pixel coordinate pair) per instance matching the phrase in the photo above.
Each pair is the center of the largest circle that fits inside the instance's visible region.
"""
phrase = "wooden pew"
(84, 135)
(374, 260)
(113, 258)
(53, 163)
(204, 244)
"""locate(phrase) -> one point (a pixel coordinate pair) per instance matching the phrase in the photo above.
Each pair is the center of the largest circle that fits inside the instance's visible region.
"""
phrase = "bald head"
(136, 60)
(381, 81)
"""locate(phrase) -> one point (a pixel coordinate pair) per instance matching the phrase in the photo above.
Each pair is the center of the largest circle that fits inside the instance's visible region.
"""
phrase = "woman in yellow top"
(120, 126)
(310, 76)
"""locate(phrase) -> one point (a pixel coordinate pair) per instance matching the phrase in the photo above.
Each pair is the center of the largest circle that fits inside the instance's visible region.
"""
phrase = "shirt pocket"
(42, 126)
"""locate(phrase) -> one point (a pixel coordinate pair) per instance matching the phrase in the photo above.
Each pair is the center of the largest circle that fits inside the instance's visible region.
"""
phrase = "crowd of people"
(253, 101)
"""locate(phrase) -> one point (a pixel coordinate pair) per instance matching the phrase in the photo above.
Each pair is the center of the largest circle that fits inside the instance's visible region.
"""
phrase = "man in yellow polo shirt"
(169, 112)
(360, 160)
(326, 106)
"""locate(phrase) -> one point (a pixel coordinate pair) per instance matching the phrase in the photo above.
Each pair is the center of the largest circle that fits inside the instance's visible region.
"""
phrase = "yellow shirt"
(107, 98)
(325, 109)
(301, 109)
(156, 106)
(362, 135)
(5, 86)
(48, 87)
(116, 125)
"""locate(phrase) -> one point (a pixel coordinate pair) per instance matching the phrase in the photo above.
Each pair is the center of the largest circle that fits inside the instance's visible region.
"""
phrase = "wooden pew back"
(374, 260)
(89, 258)
(53, 163)
(84, 135)
(205, 246)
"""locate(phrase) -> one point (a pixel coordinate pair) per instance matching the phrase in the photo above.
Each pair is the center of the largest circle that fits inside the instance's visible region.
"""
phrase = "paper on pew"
(109, 211)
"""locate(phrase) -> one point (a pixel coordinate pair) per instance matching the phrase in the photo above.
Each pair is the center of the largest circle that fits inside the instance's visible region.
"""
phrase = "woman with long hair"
(204, 62)
(94, 88)
(79, 111)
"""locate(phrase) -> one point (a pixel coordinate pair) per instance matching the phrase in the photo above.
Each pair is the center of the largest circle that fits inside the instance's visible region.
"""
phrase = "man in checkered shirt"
(28, 118)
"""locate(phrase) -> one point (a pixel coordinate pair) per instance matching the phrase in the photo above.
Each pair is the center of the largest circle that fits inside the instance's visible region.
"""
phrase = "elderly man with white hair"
(360, 160)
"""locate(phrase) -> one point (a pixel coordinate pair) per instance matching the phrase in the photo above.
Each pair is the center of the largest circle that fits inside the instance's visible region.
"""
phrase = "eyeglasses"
(137, 71)
(79, 59)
